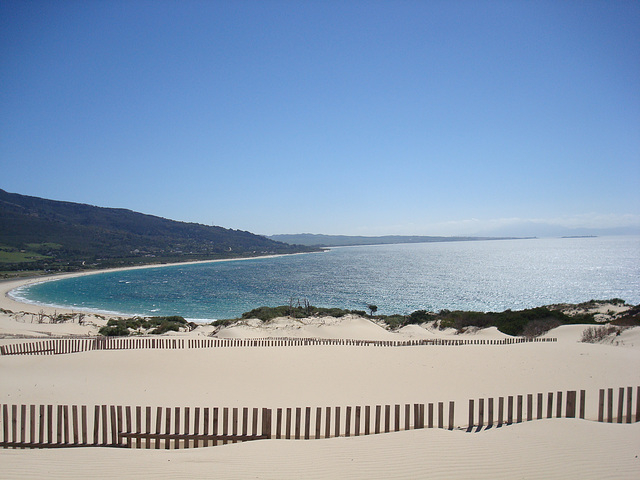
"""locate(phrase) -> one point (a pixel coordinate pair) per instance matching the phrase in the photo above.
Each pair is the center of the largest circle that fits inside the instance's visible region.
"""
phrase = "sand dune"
(339, 375)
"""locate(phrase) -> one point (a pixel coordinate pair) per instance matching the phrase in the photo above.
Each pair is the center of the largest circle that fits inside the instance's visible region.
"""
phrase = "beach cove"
(471, 276)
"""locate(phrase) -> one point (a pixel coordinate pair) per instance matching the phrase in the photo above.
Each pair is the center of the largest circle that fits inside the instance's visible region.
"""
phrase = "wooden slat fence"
(75, 345)
(56, 426)
(488, 412)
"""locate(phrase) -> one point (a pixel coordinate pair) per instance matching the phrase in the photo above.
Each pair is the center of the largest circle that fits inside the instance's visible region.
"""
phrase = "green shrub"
(394, 321)
(269, 313)
(420, 316)
(117, 327)
(224, 323)
(166, 326)
(114, 331)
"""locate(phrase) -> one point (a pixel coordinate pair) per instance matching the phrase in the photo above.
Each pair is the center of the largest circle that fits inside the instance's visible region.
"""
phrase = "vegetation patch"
(14, 255)
(630, 318)
(300, 311)
(532, 321)
(529, 322)
(600, 333)
(148, 325)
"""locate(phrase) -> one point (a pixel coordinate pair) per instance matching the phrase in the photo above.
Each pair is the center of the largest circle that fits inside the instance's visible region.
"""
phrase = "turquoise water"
(486, 276)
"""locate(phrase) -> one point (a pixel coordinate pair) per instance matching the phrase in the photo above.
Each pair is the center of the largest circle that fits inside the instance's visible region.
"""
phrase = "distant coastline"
(321, 240)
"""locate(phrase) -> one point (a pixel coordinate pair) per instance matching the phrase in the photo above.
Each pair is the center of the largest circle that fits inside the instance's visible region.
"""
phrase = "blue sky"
(337, 117)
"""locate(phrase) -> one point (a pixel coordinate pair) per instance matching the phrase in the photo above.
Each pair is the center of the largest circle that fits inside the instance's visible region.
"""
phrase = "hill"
(41, 234)
(314, 240)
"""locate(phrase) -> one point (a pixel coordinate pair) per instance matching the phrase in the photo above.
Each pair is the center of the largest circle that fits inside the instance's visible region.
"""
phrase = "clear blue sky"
(340, 117)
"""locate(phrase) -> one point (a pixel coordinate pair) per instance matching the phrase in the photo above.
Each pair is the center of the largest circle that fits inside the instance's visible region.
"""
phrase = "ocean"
(490, 275)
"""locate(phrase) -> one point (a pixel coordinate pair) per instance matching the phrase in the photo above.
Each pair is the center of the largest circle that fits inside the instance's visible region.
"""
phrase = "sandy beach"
(332, 375)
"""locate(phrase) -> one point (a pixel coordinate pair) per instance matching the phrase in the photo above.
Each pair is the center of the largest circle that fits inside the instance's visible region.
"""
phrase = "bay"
(480, 275)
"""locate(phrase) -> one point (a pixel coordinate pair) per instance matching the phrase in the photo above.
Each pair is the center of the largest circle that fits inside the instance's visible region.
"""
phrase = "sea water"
(470, 275)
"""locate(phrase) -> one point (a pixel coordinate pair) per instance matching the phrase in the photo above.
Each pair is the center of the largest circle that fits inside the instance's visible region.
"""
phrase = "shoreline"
(8, 302)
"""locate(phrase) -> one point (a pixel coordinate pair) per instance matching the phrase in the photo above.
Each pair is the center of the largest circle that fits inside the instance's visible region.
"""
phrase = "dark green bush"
(158, 324)
(394, 321)
(269, 313)
(166, 326)
(224, 323)
(420, 316)
(114, 331)
(511, 322)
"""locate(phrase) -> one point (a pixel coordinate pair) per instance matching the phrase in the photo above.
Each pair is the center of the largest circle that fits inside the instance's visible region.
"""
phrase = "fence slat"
(176, 422)
(519, 409)
(245, 420)
(620, 404)
(307, 423)
(254, 426)
(451, 414)
(23, 423)
(397, 418)
(387, 419)
(59, 423)
(215, 424)
(266, 422)
(367, 420)
(41, 438)
(138, 425)
(347, 422)
(279, 423)
(5, 423)
(32, 429)
(74, 417)
(105, 425)
(559, 405)
(114, 425)
(167, 428)
(601, 406)
(96, 425)
(235, 423)
(288, 424)
(158, 426)
(571, 404)
(539, 407)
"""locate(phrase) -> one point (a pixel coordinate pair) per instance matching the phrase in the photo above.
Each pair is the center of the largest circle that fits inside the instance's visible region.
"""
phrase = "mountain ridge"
(43, 234)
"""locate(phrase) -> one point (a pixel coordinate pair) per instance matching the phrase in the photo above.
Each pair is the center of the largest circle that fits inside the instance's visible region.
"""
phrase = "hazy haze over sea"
(483, 275)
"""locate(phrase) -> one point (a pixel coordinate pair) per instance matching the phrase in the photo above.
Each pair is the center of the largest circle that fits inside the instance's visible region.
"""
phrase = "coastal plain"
(331, 375)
